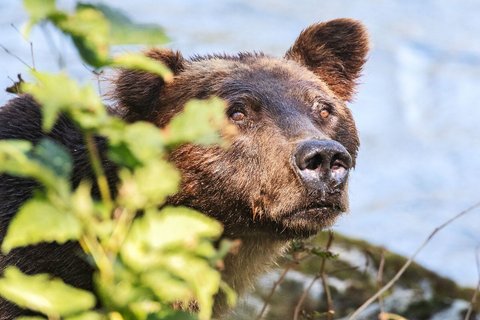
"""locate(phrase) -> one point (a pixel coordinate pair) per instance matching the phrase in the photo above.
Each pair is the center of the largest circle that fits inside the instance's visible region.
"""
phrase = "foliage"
(144, 265)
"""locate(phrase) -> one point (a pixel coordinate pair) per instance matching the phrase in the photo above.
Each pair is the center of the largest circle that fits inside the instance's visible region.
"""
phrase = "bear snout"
(321, 163)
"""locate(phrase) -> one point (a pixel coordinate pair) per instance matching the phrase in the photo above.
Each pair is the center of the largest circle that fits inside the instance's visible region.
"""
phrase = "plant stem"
(95, 160)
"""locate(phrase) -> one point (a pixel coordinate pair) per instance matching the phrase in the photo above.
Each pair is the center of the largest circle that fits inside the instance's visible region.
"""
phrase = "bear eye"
(324, 113)
(322, 109)
(237, 116)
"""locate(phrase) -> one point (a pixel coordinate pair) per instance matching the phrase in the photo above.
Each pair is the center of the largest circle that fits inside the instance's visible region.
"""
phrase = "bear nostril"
(314, 162)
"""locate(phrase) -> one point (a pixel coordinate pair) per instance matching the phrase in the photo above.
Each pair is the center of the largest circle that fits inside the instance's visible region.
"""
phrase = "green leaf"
(82, 103)
(53, 156)
(89, 315)
(16, 159)
(39, 221)
(125, 147)
(90, 33)
(149, 185)
(42, 294)
(124, 31)
(204, 280)
(166, 287)
(38, 10)
(171, 228)
(200, 122)
(141, 62)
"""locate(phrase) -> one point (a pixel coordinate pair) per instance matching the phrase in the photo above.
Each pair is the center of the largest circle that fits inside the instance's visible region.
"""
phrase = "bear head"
(285, 174)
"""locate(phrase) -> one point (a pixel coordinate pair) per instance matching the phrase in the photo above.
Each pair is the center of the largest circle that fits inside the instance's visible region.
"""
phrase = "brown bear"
(283, 177)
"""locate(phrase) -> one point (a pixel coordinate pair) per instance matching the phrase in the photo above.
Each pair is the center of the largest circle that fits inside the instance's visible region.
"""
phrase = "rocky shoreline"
(351, 270)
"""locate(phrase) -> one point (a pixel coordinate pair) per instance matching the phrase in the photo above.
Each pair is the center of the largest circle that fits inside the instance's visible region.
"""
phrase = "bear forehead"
(254, 69)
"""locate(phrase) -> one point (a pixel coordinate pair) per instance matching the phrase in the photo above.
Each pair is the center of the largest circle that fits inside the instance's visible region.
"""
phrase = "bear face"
(285, 173)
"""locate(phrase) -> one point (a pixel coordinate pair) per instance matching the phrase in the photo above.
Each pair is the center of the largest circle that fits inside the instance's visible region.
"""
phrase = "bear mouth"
(316, 213)
(307, 221)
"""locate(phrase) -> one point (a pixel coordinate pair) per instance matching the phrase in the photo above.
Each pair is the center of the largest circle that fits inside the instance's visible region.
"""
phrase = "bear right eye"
(237, 116)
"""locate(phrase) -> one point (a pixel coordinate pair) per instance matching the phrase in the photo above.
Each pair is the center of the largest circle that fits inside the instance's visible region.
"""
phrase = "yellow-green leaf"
(15, 159)
(39, 221)
(172, 227)
(40, 293)
(148, 185)
(82, 102)
(141, 62)
(200, 122)
(38, 10)
(124, 31)
(90, 33)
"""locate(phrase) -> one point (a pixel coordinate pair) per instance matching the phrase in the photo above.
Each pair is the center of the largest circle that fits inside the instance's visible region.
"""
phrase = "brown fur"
(254, 187)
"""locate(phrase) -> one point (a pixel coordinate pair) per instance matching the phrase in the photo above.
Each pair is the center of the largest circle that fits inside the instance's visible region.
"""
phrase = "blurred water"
(417, 107)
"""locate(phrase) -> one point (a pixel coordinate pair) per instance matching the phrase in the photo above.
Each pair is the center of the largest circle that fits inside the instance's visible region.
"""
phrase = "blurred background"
(416, 110)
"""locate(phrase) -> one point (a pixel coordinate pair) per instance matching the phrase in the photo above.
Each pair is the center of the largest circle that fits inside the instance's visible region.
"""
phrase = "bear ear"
(138, 92)
(335, 51)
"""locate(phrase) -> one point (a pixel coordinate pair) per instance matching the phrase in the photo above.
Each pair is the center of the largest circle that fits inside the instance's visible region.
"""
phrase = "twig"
(274, 288)
(380, 280)
(390, 316)
(397, 276)
(477, 289)
(320, 275)
(16, 57)
(328, 296)
(29, 42)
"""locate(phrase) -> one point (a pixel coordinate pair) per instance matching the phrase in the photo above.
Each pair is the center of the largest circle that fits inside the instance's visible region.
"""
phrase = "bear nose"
(322, 161)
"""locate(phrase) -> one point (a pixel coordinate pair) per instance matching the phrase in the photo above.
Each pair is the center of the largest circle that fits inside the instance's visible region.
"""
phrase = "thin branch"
(320, 274)
(477, 289)
(397, 276)
(274, 288)
(16, 57)
(28, 41)
(328, 296)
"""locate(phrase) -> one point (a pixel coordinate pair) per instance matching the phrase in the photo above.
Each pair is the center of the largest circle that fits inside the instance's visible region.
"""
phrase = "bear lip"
(319, 212)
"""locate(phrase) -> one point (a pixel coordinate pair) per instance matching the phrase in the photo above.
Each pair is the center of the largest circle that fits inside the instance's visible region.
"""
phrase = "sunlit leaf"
(200, 122)
(141, 62)
(90, 33)
(124, 31)
(38, 10)
(16, 159)
(42, 294)
(39, 221)
(167, 287)
(82, 102)
(136, 143)
(89, 315)
(149, 185)
(204, 280)
(157, 231)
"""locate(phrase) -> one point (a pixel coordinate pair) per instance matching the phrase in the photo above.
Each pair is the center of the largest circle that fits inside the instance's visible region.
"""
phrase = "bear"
(283, 177)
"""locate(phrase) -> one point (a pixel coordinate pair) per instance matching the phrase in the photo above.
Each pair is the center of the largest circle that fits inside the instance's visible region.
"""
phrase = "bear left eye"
(324, 113)
(322, 109)
(237, 116)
